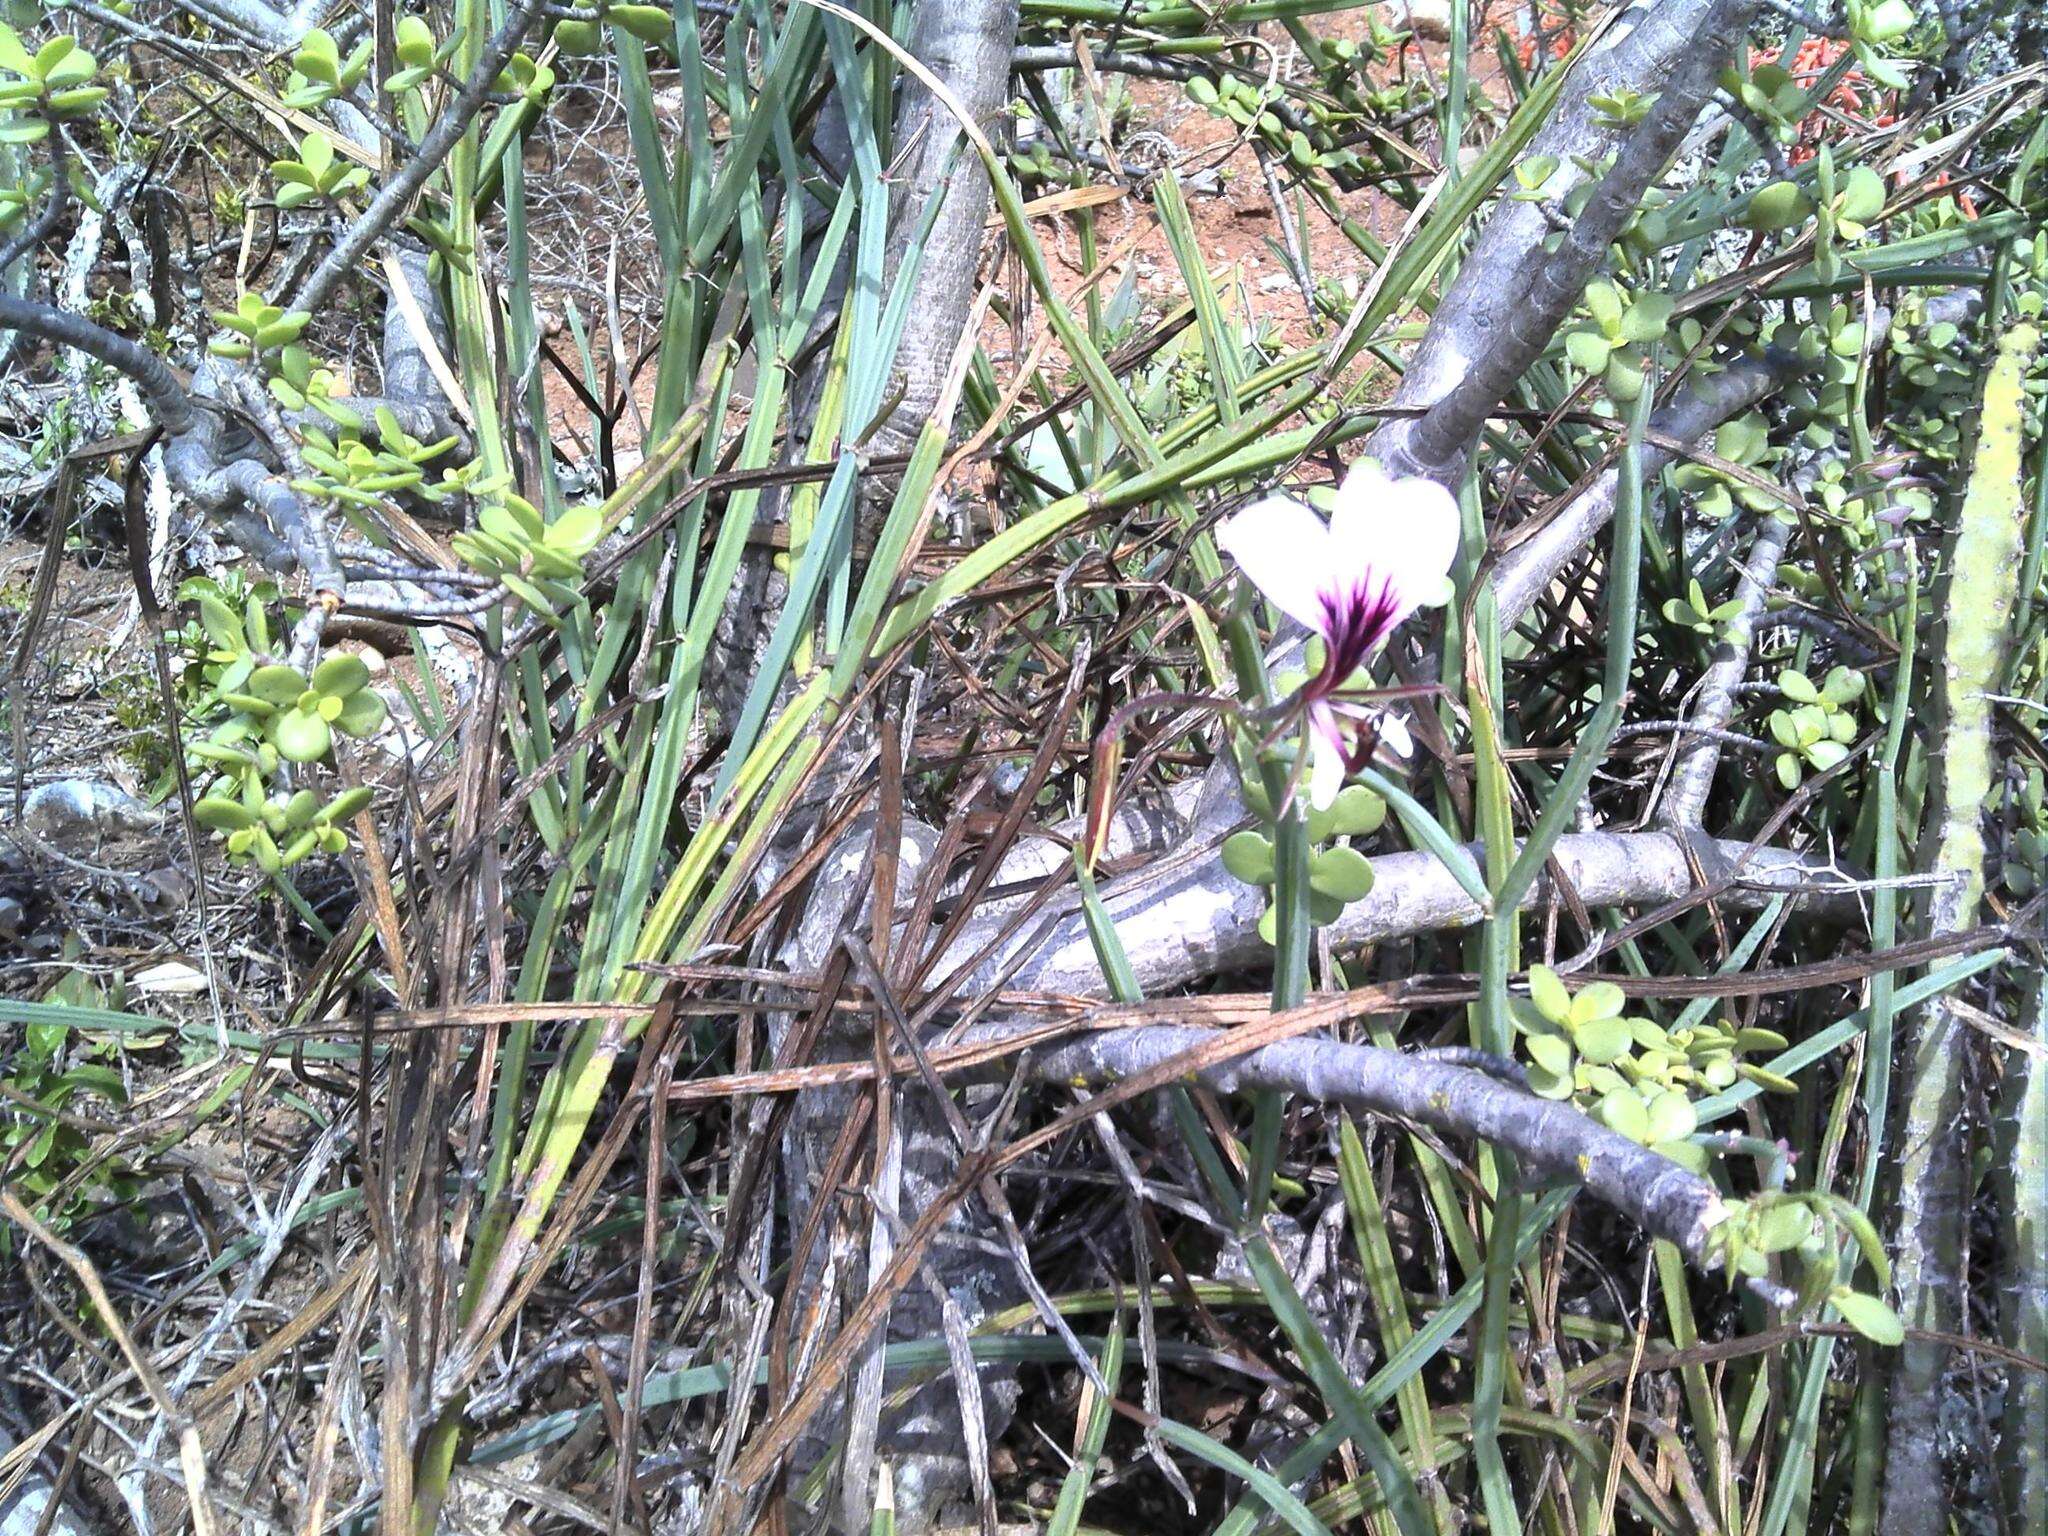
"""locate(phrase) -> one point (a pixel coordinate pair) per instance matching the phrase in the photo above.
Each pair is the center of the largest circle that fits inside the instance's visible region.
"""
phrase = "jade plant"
(1638, 1077)
(1742, 440)
(1815, 732)
(274, 723)
(1614, 346)
(1338, 873)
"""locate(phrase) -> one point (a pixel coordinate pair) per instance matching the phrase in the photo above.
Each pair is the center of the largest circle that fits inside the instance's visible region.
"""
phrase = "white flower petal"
(1325, 757)
(1394, 734)
(1285, 551)
(1407, 530)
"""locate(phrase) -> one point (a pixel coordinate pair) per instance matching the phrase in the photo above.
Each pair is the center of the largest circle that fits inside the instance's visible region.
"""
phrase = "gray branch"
(396, 195)
(1201, 921)
(169, 403)
(1692, 772)
(1512, 294)
(1551, 1139)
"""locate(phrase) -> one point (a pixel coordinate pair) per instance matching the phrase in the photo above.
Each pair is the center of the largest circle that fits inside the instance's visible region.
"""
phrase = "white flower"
(1384, 552)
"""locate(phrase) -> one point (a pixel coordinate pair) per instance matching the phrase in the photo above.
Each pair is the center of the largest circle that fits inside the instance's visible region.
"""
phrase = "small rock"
(172, 977)
(71, 807)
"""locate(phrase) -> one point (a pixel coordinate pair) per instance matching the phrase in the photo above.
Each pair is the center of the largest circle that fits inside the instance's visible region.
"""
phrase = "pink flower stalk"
(1384, 552)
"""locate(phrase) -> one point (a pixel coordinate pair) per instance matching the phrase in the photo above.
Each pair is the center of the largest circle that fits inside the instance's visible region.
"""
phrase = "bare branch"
(1692, 774)
(396, 195)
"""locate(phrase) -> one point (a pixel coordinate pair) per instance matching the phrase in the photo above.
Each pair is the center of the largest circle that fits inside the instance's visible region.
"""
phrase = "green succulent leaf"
(1869, 1316)
(1249, 857)
(1343, 874)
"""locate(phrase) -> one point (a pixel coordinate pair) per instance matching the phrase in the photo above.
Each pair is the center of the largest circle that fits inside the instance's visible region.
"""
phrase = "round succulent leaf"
(575, 533)
(1602, 1000)
(1343, 874)
(1603, 1040)
(215, 752)
(1550, 1085)
(1324, 910)
(1671, 1117)
(301, 808)
(222, 814)
(341, 675)
(345, 805)
(1595, 1078)
(1783, 1226)
(1755, 1038)
(1269, 925)
(1779, 205)
(1322, 825)
(553, 562)
(300, 736)
(1359, 812)
(1248, 855)
(1622, 1112)
(361, 713)
(1826, 754)
(299, 847)
(1624, 377)
(649, 23)
(1769, 1081)
(1587, 351)
(1256, 800)
(1553, 1053)
(277, 683)
(1687, 1154)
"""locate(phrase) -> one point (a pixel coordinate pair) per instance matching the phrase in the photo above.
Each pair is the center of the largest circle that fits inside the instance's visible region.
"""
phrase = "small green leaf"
(1358, 812)
(1549, 995)
(1602, 1000)
(1603, 1040)
(1783, 1226)
(222, 814)
(1622, 1112)
(301, 736)
(340, 675)
(277, 684)
(1343, 874)
(1249, 857)
(1553, 1053)
(1671, 1117)
(1868, 1316)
